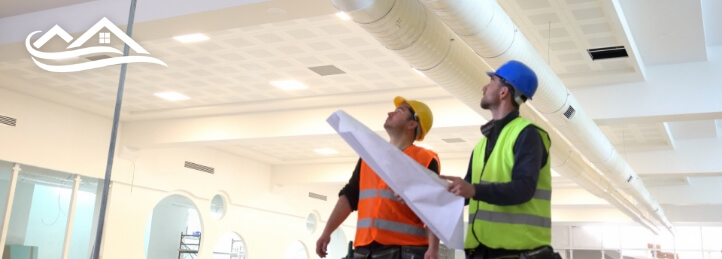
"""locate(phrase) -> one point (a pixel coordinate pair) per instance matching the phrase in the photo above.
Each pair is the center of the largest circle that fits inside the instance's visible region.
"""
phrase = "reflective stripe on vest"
(511, 227)
(392, 226)
(511, 218)
(371, 193)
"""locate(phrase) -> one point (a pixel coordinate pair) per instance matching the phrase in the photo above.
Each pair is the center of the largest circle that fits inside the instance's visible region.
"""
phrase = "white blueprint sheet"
(422, 189)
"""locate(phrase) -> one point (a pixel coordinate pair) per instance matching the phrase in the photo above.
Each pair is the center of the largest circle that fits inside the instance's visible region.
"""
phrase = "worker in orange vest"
(387, 228)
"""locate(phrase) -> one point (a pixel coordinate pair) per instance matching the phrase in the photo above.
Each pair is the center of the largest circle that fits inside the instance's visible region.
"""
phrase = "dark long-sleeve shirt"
(530, 156)
(351, 190)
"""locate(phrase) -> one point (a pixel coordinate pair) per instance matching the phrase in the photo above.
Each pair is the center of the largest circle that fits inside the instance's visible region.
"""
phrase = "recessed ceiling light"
(191, 37)
(289, 85)
(343, 16)
(171, 96)
(326, 151)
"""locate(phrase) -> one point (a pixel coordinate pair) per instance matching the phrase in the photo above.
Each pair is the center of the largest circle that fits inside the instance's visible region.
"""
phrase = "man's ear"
(505, 90)
(413, 124)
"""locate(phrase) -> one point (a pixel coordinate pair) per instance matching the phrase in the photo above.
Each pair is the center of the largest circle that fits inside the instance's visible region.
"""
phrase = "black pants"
(544, 252)
(390, 252)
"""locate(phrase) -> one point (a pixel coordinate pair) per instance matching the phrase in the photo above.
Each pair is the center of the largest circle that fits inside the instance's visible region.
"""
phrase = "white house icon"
(73, 49)
(105, 23)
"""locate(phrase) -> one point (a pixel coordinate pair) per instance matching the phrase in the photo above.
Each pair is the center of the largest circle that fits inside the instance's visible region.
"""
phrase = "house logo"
(72, 52)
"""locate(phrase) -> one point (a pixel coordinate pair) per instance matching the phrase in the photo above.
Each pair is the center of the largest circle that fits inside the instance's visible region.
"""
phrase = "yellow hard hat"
(423, 113)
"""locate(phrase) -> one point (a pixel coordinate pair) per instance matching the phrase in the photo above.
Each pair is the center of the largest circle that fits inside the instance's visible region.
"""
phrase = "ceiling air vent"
(607, 53)
(327, 70)
(8, 121)
(199, 167)
(570, 112)
(317, 196)
(453, 140)
(98, 57)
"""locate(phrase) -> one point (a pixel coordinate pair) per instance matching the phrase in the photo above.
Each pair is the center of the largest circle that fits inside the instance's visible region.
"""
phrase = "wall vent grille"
(317, 196)
(570, 112)
(8, 121)
(200, 167)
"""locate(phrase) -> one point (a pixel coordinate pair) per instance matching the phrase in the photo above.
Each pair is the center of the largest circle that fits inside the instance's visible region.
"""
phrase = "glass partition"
(6, 170)
(40, 212)
(80, 241)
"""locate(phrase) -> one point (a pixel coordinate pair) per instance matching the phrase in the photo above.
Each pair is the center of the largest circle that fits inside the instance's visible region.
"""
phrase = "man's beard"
(485, 104)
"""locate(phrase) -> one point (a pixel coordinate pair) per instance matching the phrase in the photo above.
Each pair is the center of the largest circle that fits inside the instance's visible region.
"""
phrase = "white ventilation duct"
(478, 23)
(422, 39)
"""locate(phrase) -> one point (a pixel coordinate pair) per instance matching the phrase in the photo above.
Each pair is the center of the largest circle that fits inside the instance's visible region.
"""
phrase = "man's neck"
(401, 143)
(498, 113)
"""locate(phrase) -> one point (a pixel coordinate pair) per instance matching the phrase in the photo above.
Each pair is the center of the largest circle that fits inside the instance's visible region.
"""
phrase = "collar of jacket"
(496, 125)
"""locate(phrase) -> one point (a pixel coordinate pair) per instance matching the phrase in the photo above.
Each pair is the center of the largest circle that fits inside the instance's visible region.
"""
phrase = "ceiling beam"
(671, 92)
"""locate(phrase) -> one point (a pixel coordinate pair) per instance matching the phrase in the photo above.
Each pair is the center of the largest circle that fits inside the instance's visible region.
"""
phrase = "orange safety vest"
(381, 217)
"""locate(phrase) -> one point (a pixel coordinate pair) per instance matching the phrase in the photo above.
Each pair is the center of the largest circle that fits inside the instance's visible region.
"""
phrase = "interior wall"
(77, 143)
(267, 233)
(45, 129)
(268, 222)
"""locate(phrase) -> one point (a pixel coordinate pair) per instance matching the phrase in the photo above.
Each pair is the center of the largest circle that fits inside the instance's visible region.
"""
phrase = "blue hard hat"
(520, 76)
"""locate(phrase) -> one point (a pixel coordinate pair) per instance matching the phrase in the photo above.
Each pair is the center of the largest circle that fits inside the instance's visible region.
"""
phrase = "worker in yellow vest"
(387, 228)
(508, 182)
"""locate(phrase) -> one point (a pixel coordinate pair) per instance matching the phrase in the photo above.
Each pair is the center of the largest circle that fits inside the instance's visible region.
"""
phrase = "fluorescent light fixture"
(343, 16)
(191, 37)
(326, 151)
(289, 85)
(171, 96)
(419, 72)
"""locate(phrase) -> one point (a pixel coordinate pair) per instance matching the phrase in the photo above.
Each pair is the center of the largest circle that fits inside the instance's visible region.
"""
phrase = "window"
(104, 38)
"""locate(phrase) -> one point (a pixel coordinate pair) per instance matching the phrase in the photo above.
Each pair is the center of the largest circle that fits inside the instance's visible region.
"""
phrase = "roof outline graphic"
(56, 30)
(105, 23)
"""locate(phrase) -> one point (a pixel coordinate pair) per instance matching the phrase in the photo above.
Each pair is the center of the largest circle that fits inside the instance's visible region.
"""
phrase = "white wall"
(53, 136)
(268, 222)
(64, 139)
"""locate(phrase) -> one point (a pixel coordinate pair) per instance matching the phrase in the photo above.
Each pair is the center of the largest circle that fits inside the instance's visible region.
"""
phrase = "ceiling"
(666, 126)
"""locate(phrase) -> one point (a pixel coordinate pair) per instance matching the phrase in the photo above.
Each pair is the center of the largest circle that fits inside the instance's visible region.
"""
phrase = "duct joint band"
(448, 51)
(516, 30)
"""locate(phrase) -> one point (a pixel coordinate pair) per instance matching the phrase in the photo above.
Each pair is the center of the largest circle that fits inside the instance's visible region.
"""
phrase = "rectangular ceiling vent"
(317, 196)
(200, 167)
(98, 57)
(607, 53)
(570, 112)
(453, 140)
(8, 121)
(327, 70)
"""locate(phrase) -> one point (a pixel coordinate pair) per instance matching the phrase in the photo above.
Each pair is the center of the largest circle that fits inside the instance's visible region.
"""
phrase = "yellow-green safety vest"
(512, 227)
